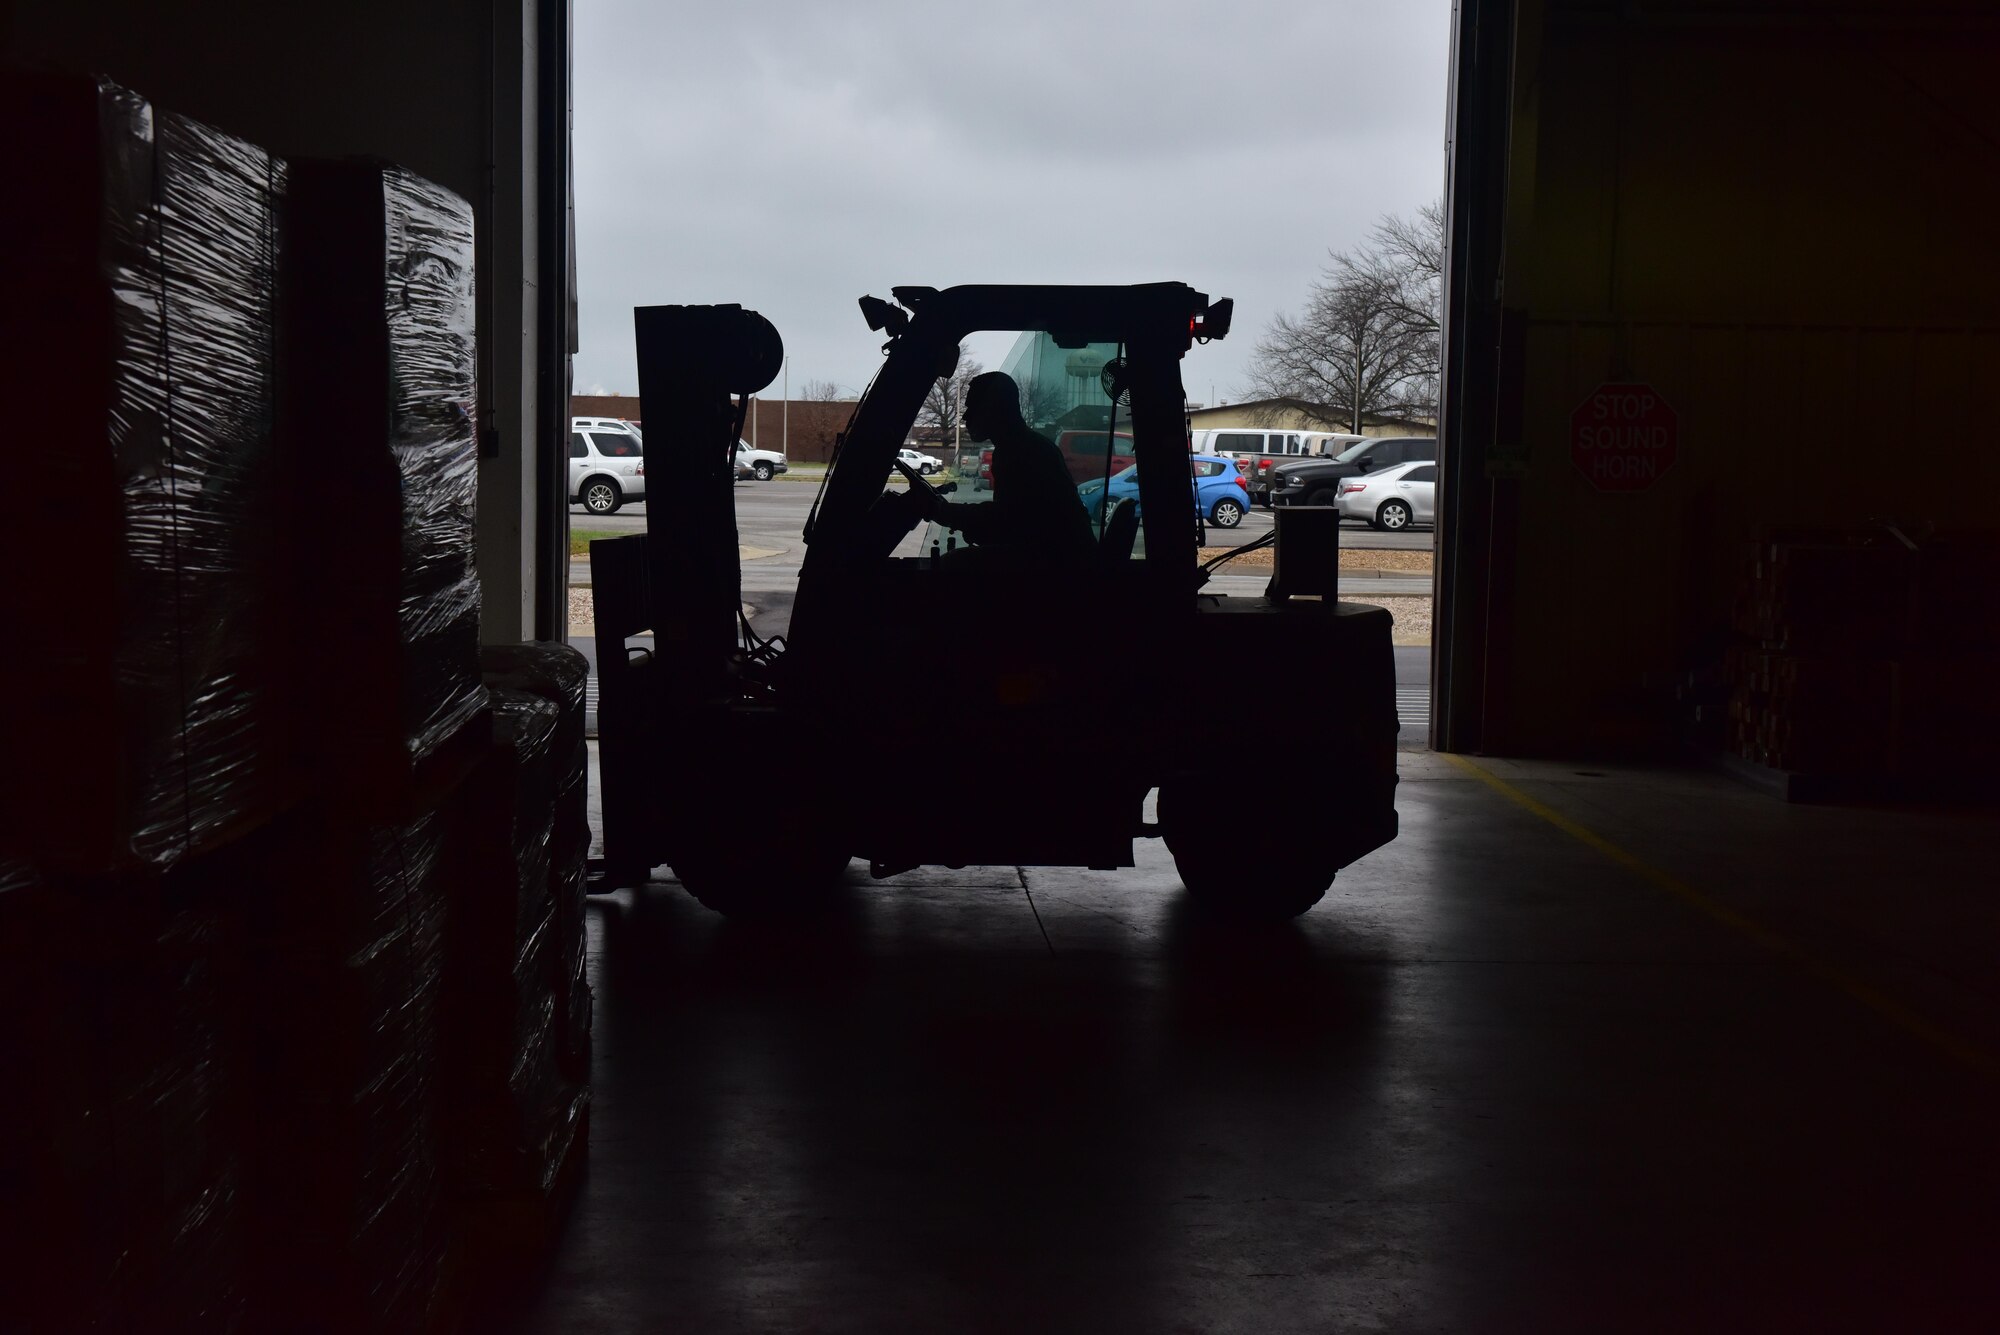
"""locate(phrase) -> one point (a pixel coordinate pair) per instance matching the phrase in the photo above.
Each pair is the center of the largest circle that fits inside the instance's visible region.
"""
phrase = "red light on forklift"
(1214, 322)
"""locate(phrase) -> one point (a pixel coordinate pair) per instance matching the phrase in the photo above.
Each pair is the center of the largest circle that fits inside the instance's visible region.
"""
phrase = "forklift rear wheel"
(1264, 883)
(740, 881)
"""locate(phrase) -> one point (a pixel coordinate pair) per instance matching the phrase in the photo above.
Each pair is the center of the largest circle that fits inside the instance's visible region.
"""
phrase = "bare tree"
(1368, 341)
(945, 404)
(823, 417)
(1410, 254)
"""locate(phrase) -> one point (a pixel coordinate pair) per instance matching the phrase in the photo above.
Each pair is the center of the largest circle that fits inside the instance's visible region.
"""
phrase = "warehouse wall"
(1783, 223)
(410, 81)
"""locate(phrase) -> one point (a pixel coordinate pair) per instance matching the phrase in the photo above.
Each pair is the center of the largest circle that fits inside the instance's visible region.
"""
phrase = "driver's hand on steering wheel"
(914, 505)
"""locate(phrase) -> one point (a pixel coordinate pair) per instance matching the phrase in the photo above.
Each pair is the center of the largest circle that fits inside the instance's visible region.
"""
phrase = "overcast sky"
(793, 155)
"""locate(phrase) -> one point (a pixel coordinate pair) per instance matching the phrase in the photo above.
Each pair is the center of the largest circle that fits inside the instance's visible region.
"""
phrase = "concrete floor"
(1661, 1054)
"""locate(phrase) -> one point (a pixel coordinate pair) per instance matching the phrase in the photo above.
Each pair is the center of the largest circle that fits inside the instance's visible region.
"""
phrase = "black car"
(1317, 481)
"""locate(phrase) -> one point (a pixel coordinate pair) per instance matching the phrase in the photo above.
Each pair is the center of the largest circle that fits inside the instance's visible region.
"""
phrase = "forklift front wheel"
(1263, 883)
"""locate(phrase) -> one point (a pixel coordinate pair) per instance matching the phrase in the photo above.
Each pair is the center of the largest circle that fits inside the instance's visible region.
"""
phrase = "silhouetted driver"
(1034, 516)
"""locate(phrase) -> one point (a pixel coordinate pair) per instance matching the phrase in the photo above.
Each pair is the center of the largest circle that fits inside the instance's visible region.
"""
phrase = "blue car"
(1221, 494)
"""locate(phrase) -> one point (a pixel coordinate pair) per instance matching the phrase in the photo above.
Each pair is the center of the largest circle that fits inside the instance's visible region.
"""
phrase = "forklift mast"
(692, 360)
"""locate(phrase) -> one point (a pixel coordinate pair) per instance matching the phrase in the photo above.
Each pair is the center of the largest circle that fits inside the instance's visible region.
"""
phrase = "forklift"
(1070, 694)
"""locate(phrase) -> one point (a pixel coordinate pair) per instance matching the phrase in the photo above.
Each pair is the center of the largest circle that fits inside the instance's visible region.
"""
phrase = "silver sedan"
(1393, 499)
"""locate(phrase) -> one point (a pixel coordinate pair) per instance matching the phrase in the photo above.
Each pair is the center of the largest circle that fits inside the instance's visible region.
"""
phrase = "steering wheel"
(933, 497)
(916, 480)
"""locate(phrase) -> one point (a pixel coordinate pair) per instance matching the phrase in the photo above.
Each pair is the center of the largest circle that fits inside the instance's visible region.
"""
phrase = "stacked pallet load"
(147, 720)
(415, 750)
(345, 927)
(250, 748)
(378, 430)
(126, 1108)
(558, 674)
(1862, 661)
(516, 1115)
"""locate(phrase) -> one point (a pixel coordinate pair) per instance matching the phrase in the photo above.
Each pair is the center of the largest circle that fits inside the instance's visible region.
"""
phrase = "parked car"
(607, 465)
(1083, 452)
(760, 464)
(1221, 495)
(1259, 452)
(604, 424)
(1394, 498)
(925, 464)
(1317, 481)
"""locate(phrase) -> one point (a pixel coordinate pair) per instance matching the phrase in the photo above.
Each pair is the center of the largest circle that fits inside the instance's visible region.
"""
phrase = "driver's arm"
(981, 523)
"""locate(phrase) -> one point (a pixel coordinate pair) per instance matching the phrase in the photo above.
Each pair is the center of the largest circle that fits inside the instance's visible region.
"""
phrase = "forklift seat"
(1121, 530)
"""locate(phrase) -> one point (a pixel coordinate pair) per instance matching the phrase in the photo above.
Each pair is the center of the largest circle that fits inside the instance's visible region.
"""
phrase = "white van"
(1262, 450)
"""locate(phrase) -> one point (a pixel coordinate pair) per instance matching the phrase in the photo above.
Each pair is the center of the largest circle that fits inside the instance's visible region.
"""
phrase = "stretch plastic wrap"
(349, 948)
(378, 342)
(121, 1205)
(142, 703)
(552, 672)
(514, 1114)
(525, 728)
(16, 873)
(558, 674)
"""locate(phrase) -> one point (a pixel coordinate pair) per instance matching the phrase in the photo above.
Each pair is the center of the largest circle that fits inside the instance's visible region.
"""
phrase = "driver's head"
(992, 405)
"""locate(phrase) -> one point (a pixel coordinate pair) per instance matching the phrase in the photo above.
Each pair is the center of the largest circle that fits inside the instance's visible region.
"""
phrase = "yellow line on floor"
(1962, 1051)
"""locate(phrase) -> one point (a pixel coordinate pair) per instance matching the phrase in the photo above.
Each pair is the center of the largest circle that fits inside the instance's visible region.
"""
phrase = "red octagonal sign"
(1624, 437)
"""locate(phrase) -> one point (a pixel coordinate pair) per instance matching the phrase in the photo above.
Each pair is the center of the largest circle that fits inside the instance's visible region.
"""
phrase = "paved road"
(769, 515)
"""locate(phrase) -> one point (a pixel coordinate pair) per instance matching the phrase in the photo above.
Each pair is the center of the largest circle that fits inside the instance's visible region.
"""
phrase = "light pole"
(785, 431)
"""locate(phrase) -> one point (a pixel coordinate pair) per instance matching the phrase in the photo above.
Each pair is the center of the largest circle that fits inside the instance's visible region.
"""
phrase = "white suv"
(607, 464)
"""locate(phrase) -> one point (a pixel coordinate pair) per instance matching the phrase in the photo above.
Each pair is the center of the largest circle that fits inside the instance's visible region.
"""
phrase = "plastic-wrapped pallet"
(377, 422)
(348, 945)
(144, 710)
(513, 1114)
(128, 1083)
(557, 673)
